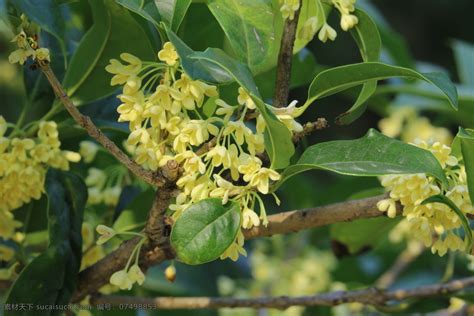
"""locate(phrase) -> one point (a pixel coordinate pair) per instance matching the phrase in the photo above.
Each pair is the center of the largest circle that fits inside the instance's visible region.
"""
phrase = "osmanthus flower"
(288, 8)
(6, 253)
(27, 48)
(88, 150)
(122, 280)
(23, 166)
(434, 224)
(164, 108)
(106, 233)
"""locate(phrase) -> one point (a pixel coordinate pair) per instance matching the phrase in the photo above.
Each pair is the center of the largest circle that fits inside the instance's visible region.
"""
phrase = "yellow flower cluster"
(23, 166)
(288, 8)
(27, 47)
(164, 109)
(405, 123)
(314, 24)
(434, 224)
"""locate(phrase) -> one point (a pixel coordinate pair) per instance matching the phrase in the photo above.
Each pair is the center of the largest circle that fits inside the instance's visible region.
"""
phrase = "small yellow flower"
(261, 179)
(348, 21)
(42, 54)
(122, 280)
(168, 54)
(136, 275)
(106, 233)
(20, 56)
(327, 32)
(245, 99)
(88, 150)
(249, 218)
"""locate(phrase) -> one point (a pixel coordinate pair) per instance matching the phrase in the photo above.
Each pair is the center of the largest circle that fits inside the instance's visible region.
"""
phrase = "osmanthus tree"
(201, 146)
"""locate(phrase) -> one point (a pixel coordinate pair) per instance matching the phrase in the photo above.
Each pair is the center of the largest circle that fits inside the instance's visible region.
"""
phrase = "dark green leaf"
(372, 155)
(360, 234)
(90, 48)
(146, 9)
(278, 139)
(464, 54)
(337, 79)
(46, 13)
(220, 64)
(49, 278)
(248, 25)
(172, 12)
(205, 230)
(196, 68)
(367, 37)
(466, 138)
(125, 36)
(464, 221)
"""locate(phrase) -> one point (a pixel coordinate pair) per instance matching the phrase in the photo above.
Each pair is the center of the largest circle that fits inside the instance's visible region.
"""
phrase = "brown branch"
(370, 296)
(320, 124)
(405, 258)
(98, 274)
(158, 179)
(285, 56)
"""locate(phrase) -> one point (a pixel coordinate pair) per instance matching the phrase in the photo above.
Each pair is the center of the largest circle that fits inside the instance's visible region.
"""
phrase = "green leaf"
(92, 82)
(219, 63)
(172, 12)
(49, 278)
(90, 48)
(205, 230)
(464, 56)
(196, 68)
(372, 155)
(46, 13)
(248, 24)
(464, 221)
(367, 37)
(146, 9)
(360, 234)
(466, 138)
(337, 79)
(278, 139)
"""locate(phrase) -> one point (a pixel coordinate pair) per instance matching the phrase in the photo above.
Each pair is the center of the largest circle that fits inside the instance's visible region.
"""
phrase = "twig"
(320, 124)
(158, 179)
(405, 258)
(98, 274)
(370, 296)
(285, 56)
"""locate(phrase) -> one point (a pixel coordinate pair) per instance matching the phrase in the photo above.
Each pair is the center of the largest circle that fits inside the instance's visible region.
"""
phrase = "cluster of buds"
(27, 47)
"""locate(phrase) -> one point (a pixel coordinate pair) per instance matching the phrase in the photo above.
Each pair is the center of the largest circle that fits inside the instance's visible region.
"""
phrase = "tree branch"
(405, 258)
(285, 56)
(370, 296)
(158, 179)
(98, 274)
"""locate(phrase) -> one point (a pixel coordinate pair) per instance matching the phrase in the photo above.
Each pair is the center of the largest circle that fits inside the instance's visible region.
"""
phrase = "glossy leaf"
(248, 25)
(92, 82)
(197, 68)
(90, 48)
(205, 230)
(372, 155)
(367, 37)
(466, 138)
(340, 78)
(146, 9)
(48, 279)
(278, 139)
(46, 13)
(172, 12)
(464, 221)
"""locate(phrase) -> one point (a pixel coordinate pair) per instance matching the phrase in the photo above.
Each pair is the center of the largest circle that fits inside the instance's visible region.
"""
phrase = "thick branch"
(159, 179)
(283, 74)
(370, 296)
(98, 274)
